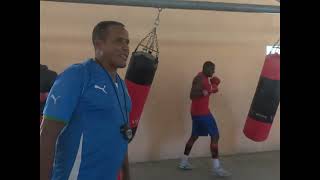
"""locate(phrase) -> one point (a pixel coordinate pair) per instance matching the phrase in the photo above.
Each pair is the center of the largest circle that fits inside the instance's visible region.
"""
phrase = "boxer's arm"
(197, 89)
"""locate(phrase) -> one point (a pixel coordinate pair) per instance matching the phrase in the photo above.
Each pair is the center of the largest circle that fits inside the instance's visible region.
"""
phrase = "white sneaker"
(185, 165)
(221, 172)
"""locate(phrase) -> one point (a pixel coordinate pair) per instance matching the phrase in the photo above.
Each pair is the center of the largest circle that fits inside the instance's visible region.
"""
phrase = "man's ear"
(98, 44)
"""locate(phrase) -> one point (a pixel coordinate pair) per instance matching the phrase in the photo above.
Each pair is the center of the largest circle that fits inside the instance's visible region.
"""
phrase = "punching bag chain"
(157, 21)
(149, 44)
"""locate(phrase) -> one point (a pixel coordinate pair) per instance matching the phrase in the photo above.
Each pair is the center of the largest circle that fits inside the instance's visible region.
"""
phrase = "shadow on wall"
(170, 107)
(220, 107)
(164, 116)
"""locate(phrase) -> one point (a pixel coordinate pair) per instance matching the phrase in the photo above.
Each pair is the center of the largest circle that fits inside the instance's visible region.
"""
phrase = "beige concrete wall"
(236, 42)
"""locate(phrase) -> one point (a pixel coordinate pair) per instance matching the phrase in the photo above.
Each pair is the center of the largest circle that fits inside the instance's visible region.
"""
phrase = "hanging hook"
(157, 21)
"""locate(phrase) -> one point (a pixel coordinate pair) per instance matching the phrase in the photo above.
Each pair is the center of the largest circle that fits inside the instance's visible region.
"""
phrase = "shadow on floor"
(255, 166)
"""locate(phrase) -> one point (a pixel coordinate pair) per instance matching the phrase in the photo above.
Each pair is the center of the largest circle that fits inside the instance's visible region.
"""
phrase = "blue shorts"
(204, 125)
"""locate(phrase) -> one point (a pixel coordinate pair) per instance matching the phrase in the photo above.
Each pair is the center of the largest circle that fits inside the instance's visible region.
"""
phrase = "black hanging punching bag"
(265, 102)
(139, 76)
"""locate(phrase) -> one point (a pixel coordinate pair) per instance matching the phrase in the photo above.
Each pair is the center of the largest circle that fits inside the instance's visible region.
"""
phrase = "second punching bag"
(265, 102)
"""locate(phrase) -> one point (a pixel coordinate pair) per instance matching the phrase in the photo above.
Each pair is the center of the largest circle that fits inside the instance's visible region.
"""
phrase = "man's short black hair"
(208, 64)
(99, 31)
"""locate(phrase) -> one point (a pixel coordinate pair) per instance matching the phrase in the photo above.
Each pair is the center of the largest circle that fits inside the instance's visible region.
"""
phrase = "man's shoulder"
(198, 77)
(78, 67)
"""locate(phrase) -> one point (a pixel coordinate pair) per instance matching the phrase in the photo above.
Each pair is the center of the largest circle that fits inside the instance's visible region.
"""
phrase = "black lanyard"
(125, 118)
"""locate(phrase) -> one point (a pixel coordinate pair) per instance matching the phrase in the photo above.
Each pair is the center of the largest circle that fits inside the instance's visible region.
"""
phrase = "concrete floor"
(256, 166)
